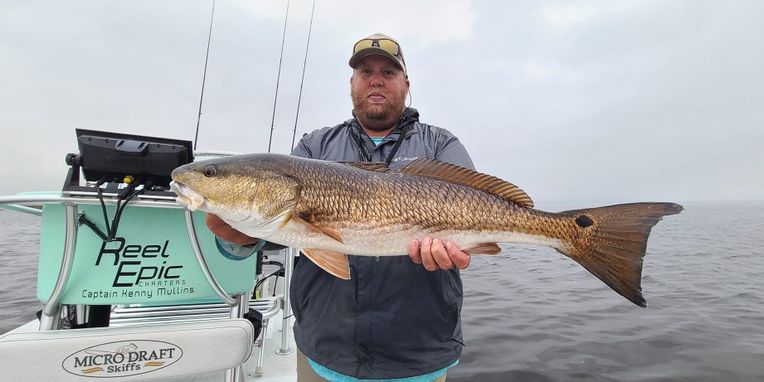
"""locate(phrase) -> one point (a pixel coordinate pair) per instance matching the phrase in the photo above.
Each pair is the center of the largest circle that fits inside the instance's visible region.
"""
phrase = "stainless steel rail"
(203, 263)
(24, 209)
(237, 311)
(287, 308)
(14, 201)
(49, 316)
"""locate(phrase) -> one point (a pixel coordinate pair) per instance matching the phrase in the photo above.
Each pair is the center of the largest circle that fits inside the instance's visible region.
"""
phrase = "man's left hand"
(436, 254)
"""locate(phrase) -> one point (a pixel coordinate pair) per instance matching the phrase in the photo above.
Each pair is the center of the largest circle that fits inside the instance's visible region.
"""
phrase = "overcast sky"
(596, 101)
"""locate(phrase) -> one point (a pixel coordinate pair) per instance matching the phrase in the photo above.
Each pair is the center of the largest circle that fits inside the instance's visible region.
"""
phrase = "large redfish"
(330, 209)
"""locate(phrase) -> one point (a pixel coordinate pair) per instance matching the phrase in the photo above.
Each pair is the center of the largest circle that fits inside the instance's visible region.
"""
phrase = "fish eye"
(210, 171)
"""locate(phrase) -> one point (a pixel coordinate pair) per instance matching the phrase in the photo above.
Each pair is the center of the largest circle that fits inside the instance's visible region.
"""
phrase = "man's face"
(379, 90)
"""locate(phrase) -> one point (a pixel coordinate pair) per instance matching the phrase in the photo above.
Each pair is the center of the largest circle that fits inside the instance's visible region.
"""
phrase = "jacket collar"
(410, 116)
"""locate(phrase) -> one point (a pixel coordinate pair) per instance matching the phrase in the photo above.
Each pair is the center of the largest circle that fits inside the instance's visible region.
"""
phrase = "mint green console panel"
(150, 263)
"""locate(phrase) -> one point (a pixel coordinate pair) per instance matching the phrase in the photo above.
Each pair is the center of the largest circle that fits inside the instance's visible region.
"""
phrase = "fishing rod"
(204, 76)
(278, 77)
(302, 80)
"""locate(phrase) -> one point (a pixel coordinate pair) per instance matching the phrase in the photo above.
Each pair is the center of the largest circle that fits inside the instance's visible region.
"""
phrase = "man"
(398, 317)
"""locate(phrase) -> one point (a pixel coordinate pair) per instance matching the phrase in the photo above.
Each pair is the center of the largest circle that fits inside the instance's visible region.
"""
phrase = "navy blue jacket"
(394, 318)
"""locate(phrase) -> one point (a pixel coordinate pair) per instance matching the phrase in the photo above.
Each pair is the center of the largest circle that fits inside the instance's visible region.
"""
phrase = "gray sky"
(592, 101)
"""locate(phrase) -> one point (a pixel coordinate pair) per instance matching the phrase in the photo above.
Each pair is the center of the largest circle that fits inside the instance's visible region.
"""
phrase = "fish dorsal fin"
(430, 168)
(369, 166)
(334, 263)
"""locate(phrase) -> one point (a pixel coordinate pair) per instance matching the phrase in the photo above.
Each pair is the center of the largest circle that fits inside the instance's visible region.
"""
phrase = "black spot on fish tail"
(584, 221)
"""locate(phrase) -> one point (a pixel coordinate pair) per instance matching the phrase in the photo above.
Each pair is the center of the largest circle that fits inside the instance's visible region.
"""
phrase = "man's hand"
(224, 231)
(435, 254)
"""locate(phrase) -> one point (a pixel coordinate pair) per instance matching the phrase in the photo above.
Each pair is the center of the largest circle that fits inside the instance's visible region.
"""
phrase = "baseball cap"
(378, 44)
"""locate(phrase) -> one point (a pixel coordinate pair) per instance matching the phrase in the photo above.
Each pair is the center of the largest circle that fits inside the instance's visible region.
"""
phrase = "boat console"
(134, 286)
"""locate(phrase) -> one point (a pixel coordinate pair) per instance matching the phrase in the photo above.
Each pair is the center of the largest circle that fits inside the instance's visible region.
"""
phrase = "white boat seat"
(132, 353)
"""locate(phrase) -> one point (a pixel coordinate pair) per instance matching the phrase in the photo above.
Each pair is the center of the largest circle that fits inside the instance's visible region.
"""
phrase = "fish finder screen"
(105, 156)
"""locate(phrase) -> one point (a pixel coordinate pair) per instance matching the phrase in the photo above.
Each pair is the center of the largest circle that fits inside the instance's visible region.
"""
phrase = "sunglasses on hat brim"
(385, 44)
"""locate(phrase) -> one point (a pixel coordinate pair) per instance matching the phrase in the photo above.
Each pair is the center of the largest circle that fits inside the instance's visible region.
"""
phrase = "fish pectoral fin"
(483, 249)
(315, 228)
(334, 263)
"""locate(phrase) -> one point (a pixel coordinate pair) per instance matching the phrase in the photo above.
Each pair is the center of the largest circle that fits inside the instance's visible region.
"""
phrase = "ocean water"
(531, 314)
(534, 315)
(19, 244)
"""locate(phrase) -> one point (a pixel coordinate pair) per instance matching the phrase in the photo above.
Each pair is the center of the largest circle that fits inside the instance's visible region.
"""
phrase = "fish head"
(240, 188)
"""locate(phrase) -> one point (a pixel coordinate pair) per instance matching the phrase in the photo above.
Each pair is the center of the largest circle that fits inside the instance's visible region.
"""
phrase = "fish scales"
(345, 198)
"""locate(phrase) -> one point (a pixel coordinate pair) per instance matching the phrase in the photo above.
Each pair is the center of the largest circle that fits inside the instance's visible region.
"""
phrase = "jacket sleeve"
(302, 148)
(450, 150)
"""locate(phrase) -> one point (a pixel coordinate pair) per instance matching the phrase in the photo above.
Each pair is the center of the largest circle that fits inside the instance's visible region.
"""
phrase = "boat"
(135, 287)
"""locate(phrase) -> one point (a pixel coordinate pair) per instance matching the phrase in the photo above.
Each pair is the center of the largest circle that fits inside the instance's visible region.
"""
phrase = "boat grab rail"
(52, 307)
(15, 202)
(203, 263)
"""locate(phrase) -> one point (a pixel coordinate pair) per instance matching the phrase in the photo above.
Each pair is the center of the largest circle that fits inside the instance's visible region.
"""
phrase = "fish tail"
(611, 241)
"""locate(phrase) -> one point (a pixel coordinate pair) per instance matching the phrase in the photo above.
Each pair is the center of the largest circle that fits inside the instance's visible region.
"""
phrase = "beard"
(379, 117)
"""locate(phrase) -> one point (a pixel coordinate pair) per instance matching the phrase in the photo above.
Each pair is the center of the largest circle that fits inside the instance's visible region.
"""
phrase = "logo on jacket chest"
(402, 158)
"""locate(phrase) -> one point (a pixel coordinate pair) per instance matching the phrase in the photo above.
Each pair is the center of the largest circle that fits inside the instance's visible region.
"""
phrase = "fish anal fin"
(316, 228)
(483, 249)
(433, 169)
(369, 166)
(334, 263)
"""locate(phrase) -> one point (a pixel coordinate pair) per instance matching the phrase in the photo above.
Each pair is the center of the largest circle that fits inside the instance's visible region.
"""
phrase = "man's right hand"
(224, 231)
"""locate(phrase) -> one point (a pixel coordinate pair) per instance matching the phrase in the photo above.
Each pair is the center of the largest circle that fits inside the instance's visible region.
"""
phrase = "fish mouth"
(187, 196)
